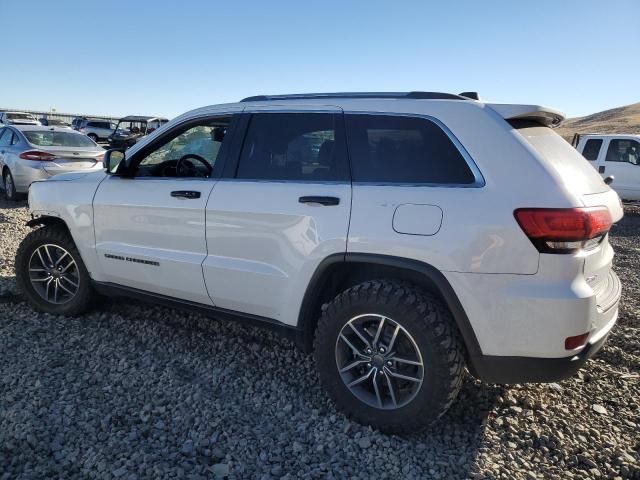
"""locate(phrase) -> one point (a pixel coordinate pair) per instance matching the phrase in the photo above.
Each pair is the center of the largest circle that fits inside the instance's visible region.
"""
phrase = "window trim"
(231, 170)
(479, 180)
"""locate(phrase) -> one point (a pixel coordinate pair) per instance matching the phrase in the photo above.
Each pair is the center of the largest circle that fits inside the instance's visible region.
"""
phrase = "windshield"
(20, 116)
(58, 139)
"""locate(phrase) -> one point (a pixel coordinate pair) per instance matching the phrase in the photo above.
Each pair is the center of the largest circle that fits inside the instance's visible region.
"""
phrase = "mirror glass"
(112, 159)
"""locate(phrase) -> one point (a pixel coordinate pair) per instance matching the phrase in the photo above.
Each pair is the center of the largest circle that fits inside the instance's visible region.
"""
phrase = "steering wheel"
(186, 168)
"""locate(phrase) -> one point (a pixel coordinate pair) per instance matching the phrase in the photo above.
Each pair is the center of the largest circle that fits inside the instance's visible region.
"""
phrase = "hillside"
(617, 120)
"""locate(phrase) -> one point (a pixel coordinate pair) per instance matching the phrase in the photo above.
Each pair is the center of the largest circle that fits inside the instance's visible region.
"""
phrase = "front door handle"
(321, 200)
(190, 194)
(601, 169)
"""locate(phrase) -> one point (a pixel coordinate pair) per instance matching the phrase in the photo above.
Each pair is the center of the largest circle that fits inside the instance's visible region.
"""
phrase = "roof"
(141, 118)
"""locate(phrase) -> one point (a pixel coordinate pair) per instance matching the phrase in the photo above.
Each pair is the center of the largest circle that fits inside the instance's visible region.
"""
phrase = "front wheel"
(389, 355)
(51, 273)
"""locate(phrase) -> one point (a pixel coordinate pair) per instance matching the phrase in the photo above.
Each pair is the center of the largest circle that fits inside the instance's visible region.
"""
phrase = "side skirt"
(287, 331)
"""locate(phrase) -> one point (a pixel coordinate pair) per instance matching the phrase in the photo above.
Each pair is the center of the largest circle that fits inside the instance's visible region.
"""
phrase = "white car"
(400, 237)
(18, 118)
(616, 156)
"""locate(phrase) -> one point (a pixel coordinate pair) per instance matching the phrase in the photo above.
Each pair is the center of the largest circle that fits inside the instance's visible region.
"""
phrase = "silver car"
(29, 153)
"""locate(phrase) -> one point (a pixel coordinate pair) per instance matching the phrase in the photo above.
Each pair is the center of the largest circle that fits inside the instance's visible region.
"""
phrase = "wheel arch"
(48, 220)
(338, 272)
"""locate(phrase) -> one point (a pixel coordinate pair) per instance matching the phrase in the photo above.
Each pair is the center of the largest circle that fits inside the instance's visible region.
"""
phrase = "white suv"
(401, 237)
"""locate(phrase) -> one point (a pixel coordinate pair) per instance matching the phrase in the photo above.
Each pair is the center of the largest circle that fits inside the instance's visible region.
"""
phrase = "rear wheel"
(389, 355)
(51, 273)
(93, 137)
(9, 186)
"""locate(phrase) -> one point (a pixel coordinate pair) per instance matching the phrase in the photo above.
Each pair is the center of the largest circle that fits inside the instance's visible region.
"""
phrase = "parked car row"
(124, 134)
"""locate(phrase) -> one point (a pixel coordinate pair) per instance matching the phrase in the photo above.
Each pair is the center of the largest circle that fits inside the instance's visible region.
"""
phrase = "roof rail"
(308, 96)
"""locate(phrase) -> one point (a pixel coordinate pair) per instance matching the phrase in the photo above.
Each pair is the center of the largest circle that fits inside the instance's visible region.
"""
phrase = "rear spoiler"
(535, 113)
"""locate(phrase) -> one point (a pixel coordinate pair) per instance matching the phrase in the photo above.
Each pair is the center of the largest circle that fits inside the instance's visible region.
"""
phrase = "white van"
(617, 156)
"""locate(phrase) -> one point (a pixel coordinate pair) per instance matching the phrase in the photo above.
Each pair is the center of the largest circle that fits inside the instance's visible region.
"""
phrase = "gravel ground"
(137, 391)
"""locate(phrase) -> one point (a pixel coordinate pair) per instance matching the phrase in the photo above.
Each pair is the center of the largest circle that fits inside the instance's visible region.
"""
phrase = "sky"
(167, 57)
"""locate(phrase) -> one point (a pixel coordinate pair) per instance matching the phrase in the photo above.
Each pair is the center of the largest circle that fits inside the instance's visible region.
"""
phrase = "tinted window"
(293, 146)
(45, 138)
(592, 149)
(624, 151)
(403, 150)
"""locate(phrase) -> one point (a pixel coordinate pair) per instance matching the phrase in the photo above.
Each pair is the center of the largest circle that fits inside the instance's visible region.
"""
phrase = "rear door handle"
(190, 194)
(321, 200)
(601, 169)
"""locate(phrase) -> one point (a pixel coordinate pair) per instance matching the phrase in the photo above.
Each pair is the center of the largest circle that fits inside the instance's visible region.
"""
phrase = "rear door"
(282, 208)
(622, 160)
(150, 229)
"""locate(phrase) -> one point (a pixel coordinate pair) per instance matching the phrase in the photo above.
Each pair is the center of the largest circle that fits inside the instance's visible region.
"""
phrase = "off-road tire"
(432, 327)
(56, 235)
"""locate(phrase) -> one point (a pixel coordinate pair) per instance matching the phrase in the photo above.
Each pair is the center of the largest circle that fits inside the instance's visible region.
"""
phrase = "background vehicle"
(18, 118)
(30, 153)
(53, 122)
(614, 155)
(397, 236)
(75, 123)
(96, 129)
(131, 129)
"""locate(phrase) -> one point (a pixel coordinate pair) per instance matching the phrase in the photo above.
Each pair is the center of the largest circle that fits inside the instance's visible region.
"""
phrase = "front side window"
(623, 150)
(293, 146)
(592, 149)
(398, 149)
(194, 152)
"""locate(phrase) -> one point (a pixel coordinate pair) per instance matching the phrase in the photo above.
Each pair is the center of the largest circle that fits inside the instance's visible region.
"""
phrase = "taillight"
(37, 155)
(564, 230)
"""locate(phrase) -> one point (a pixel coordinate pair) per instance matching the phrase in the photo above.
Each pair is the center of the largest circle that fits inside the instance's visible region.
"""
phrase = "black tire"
(10, 189)
(93, 137)
(55, 235)
(430, 324)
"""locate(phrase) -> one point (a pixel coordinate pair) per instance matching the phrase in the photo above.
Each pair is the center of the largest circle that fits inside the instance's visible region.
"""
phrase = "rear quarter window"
(402, 149)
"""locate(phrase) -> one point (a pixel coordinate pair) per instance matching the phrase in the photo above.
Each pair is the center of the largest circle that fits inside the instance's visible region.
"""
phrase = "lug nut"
(381, 349)
(369, 350)
(389, 363)
(368, 365)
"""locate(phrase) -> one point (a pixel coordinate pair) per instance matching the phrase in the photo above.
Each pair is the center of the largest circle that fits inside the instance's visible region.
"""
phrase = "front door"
(150, 229)
(623, 162)
(283, 209)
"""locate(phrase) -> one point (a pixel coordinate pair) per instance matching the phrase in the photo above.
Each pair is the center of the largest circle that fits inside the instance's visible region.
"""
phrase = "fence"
(65, 117)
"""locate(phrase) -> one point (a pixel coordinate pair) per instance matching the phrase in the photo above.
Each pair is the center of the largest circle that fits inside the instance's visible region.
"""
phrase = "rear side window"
(293, 146)
(592, 149)
(397, 149)
(5, 137)
(623, 150)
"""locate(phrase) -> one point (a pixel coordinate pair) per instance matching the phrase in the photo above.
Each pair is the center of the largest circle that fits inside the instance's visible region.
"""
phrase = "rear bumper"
(506, 370)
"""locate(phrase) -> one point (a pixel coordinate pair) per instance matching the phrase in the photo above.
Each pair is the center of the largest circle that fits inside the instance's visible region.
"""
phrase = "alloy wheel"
(54, 274)
(379, 361)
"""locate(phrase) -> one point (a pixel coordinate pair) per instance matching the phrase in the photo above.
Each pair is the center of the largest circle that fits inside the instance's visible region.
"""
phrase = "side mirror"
(609, 180)
(112, 159)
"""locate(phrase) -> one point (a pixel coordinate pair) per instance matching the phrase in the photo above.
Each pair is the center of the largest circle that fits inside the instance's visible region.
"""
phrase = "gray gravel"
(138, 391)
